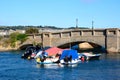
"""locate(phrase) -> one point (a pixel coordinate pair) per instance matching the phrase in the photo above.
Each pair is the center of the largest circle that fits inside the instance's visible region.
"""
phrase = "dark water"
(12, 67)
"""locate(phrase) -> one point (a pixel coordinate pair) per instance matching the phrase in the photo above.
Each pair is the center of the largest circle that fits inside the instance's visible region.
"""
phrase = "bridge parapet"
(109, 38)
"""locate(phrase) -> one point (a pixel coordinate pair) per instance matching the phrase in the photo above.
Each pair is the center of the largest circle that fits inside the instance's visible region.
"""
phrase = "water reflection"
(113, 56)
(47, 66)
(54, 65)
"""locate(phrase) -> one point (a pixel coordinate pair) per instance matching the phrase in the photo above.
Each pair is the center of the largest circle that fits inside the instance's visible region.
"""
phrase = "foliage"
(25, 27)
(14, 37)
(32, 30)
(22, 37)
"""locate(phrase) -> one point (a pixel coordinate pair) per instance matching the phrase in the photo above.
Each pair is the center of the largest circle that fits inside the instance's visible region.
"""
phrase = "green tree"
(22, 38)
(32, 31)
(15, 37)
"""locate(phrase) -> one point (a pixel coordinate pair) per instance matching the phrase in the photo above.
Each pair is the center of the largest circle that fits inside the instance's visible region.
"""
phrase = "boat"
(90, 56)
(69, 57)
(29, 53)
(48, 62)
(32, 51)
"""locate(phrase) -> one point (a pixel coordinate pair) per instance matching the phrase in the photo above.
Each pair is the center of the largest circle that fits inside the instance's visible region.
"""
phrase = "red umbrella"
(53, 51)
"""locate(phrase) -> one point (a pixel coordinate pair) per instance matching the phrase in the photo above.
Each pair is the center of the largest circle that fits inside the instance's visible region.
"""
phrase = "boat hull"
(60, 64)
(93, 58)
(89, 56)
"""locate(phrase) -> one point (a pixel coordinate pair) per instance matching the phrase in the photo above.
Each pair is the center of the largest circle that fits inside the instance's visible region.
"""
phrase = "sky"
(60, 13)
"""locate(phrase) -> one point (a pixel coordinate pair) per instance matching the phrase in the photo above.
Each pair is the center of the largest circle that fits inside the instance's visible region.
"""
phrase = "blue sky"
(61, 13)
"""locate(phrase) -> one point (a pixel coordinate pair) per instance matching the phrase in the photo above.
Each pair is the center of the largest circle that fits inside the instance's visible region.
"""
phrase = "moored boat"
(29, 53)
(68, 57)
(90, 56)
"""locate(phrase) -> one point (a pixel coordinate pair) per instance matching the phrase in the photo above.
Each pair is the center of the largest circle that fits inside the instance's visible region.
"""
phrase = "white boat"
(46, 61)
(90, 56)
(49, 63)
(68, 57)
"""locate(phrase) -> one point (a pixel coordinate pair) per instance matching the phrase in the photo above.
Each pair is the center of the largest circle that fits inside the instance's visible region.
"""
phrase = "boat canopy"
(53, 51)
(69, 53)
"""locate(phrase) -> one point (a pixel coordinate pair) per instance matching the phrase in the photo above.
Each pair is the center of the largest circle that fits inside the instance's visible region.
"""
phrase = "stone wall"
(112, 40)
(108, 38)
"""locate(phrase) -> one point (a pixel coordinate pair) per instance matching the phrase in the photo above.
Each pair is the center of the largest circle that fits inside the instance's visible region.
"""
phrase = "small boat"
(90, 56)
(48, 62)
(29, 53)
(69, 57)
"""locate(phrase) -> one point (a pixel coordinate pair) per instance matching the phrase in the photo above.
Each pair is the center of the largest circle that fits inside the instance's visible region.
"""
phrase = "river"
(12, 67)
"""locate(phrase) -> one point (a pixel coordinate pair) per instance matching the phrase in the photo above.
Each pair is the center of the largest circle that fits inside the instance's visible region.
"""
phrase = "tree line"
(25, 27)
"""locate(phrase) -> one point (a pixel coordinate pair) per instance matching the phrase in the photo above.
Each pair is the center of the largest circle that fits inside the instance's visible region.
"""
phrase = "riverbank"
(7, 49)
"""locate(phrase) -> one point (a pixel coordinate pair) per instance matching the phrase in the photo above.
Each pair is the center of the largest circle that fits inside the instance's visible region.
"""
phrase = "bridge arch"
(23, 47)
(75, 40)
(75, 45)
(79, 42)
(107, 38)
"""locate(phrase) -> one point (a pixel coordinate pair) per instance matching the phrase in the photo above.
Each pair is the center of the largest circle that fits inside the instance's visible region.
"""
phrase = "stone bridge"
(107, 38)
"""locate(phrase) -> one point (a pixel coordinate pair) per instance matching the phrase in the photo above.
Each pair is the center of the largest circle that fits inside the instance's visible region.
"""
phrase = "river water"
(12, 67)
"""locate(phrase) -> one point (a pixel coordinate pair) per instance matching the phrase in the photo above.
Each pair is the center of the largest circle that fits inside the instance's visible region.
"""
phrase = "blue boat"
(69, 57)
